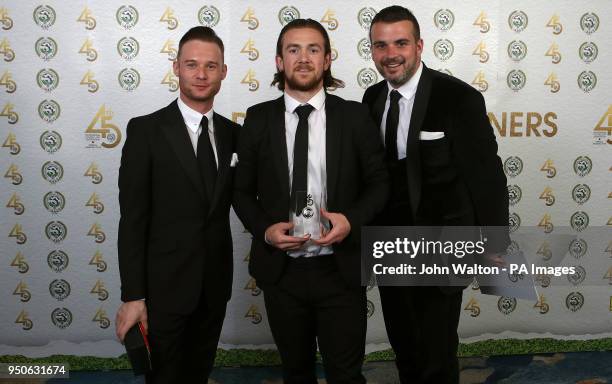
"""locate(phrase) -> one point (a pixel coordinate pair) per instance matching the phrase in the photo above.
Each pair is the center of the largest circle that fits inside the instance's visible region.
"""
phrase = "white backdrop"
(74, 72)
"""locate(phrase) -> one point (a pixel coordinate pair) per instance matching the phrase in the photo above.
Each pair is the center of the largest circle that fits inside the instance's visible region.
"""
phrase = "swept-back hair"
(328, 80)
(201, 33)
(396, 13)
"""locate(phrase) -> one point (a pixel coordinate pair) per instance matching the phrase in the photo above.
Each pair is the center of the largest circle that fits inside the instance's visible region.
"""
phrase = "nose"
(391, 51)
(303, 56)
(201, 72)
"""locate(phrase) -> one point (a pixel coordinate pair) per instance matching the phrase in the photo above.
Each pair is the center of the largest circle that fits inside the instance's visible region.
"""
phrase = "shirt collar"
(408, 89)
(192, 117)
(317, 101)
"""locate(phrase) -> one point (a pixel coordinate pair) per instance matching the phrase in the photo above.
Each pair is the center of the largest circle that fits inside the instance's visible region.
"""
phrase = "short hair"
(203, 34)
(393, 14)
(328, 80)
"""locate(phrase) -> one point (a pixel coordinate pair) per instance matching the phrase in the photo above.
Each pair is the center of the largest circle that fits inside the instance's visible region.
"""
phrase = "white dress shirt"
(317, 170)
(192, 120)
(406, 102)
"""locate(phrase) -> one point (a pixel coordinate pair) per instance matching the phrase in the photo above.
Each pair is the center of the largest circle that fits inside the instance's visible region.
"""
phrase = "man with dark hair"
(204, 34)
(175, 244)
(442, 156)
(329, 82)
(328, 149)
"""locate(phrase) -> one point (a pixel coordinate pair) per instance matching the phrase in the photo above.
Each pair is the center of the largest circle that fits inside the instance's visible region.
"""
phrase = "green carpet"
(258, 358)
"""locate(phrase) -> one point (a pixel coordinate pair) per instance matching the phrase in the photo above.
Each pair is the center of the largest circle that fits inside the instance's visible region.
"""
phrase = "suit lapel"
(379, 104)
(413, 163)
(223, 144)
(175, 130)
(333, 136)
(276, 121)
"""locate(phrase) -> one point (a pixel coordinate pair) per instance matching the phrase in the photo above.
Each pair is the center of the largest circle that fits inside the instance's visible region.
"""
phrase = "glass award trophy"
(306, 215)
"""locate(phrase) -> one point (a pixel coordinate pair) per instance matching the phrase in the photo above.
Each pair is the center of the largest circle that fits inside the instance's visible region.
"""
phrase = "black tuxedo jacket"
(446, 104)
(357, 180)
(174, 233)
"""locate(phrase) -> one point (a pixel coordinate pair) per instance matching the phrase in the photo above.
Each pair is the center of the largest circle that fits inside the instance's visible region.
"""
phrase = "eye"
(293, 50)
(379, 46)
(212, 66)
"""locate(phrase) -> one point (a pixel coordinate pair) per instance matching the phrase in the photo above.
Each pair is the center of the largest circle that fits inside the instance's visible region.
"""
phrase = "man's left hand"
(340, 229)
(496, 259)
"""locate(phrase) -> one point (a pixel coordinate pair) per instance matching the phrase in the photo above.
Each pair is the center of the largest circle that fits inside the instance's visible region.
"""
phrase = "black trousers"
(311, 304)
(421, 324)
(183, 347)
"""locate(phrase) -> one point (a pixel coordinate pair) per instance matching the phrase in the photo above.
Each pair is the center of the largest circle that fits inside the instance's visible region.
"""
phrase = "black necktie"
(206, 156)
(391, 125)
(300, 158)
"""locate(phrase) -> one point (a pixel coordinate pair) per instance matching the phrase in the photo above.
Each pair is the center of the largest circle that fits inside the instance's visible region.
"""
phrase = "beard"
(401, 78)
(302, 86)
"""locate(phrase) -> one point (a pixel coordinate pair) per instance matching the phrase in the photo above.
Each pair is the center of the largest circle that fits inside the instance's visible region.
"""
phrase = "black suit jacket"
(357, 180)
(174, 233)
(446, 104)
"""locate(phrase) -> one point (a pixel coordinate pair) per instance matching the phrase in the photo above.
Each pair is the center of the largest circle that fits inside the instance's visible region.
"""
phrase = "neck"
(303, 96)
(200, 106)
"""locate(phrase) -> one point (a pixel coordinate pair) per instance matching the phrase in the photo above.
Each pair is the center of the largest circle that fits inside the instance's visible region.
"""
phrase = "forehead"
(392, 31)
(303, 36)
(194, 49)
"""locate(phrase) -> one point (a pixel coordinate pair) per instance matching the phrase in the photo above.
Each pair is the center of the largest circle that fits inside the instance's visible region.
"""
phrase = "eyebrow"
(188, 61)
(317, 45)
(404, 40)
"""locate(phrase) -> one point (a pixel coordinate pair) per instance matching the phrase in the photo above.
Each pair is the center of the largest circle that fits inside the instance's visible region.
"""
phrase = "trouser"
(183, 347)
(311, 304)
(421, 324)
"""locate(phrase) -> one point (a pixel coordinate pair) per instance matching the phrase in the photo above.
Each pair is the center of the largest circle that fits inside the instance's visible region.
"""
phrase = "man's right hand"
(276, 235)
(128, 314)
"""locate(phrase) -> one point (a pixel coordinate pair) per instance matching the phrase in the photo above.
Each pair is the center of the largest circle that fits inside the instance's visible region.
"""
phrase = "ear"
(175, 67)
(419, 46)
(223, 71)
(327, 61)
(279, 63)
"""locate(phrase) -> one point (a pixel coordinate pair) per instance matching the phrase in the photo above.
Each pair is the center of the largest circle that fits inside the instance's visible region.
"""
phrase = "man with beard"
(328, 149)
(442, 157)
(175, 244)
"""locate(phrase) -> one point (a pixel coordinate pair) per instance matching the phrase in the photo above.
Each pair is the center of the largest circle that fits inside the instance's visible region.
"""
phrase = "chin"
(303, 85)
(202, 94)
(397, 72)
(396, 77)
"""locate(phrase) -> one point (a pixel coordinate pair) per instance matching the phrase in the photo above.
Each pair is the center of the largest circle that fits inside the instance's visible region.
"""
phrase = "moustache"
(304, 66)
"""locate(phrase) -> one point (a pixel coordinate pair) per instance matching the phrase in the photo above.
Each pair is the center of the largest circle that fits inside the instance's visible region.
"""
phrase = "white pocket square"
(234, 160)
(427, 135)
